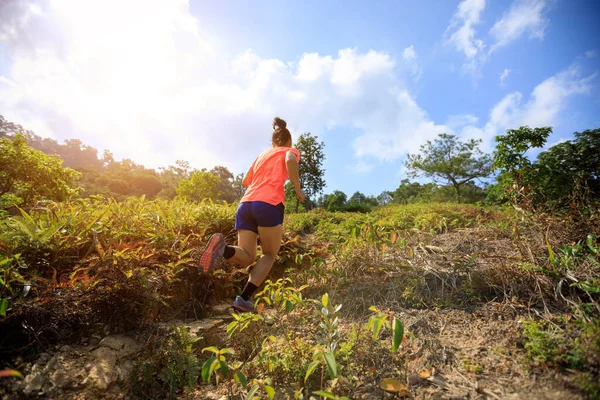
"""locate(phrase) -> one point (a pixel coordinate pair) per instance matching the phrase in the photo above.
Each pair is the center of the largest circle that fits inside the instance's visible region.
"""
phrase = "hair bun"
(278, 123)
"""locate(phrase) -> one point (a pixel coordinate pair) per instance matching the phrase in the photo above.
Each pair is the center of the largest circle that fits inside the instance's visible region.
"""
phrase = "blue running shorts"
(252, 214)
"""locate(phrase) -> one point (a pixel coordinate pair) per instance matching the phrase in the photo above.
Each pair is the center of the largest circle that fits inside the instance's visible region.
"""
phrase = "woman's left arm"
(248, 178)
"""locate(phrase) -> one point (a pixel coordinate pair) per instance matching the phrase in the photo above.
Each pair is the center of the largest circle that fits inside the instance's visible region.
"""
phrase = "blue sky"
(201, 80)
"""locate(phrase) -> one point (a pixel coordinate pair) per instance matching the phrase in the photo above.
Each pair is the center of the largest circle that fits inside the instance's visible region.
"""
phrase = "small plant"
(217, 365)
(262, 385)
(172, 367)
(279, 294)
(242, 321)
(328, 395)
(380, 320)
(330, 321)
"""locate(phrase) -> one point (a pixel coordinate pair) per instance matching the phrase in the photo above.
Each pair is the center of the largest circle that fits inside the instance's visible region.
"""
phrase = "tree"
(335, 201)
(449, 159)
(570, 171)
(225, 186)
(28, 175)
(311, 167)
(517, 175)
(407, 192)
(385, 197)
(566, 174)
(199, 186)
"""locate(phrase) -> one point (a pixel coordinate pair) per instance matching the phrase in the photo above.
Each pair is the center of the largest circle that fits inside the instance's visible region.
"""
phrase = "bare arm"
(248, 177)
(292, 168)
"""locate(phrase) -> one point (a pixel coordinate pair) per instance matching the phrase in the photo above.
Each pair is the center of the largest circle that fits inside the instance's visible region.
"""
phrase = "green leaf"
(331, 364)
(232, 327)
(252, 392)
(270, 392)
(311, 369)
(325, 300)
(10, 372)
(3, 307)
(551, 254)
(377, 324)
(227, 351)
(325, 394)
(224, 368)
(211, 348)
(240, 378)
(398, 331)
(206, 370)
(288, 306)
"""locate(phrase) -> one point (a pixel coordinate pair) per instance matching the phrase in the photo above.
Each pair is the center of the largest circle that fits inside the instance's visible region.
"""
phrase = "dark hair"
(281, 135)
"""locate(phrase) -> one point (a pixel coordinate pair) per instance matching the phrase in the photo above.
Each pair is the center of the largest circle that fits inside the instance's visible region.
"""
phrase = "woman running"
(260, 213)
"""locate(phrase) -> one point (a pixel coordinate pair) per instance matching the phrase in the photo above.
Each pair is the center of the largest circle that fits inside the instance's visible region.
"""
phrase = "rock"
(33, 383)
(123, 370)
(197, 328)
(43, 358)
(60, 379)
(101, 373)
(122, 344)
(94, 339)
(221, 308)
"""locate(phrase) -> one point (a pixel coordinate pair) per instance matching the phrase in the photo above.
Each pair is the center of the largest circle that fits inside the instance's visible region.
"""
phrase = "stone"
(124, 345)
(123, 370)
(221, 308)
(94, 339)
(101, 373)
(60, 379)
(33, 383)
(197, 328)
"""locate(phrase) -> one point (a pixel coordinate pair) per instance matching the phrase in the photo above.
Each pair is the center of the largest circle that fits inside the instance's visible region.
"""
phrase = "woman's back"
(269, 173)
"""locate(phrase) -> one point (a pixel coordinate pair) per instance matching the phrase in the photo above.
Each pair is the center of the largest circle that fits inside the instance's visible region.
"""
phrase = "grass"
(87, 259)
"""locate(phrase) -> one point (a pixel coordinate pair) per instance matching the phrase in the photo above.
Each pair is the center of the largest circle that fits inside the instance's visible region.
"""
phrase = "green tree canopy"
(28, 175)
(311, 168)
(451, 160)
(567, 173)
(199, 186)
(335, 201)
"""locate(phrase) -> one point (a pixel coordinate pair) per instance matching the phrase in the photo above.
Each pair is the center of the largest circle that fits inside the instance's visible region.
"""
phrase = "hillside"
(448, 301)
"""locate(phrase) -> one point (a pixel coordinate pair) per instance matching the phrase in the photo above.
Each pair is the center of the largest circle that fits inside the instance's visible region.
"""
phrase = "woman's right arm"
(292, 168)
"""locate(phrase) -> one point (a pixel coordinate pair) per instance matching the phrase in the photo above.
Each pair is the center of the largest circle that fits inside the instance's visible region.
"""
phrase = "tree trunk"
(457, 188)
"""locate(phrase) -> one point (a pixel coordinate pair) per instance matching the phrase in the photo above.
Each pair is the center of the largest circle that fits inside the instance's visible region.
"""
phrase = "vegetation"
(450, 159)
(416, 297)
(312, 157)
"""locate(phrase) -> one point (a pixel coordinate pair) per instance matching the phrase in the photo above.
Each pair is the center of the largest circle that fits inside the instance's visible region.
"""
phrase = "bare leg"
(270, 239)
(245, 253)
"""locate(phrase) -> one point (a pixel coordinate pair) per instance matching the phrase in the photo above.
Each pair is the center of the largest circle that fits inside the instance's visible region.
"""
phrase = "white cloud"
(460, 120)
(504, 75)
(361, 167)
(543, 108)
(409, 56)
(158, 90)
(162, 91)
(523, 16)
(461, 31)
(591, 53)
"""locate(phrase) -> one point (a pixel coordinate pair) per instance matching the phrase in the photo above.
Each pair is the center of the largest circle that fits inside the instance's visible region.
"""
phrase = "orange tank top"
(269, 173)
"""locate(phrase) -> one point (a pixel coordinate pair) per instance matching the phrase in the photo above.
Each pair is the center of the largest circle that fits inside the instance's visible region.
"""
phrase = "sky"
(163, 80)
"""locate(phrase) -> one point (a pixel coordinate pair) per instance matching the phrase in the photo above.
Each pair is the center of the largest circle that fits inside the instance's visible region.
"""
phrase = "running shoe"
(242, 305)
(212, 252)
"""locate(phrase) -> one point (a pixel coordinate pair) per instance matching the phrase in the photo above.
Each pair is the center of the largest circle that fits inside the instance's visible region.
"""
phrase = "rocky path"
(98, 367)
